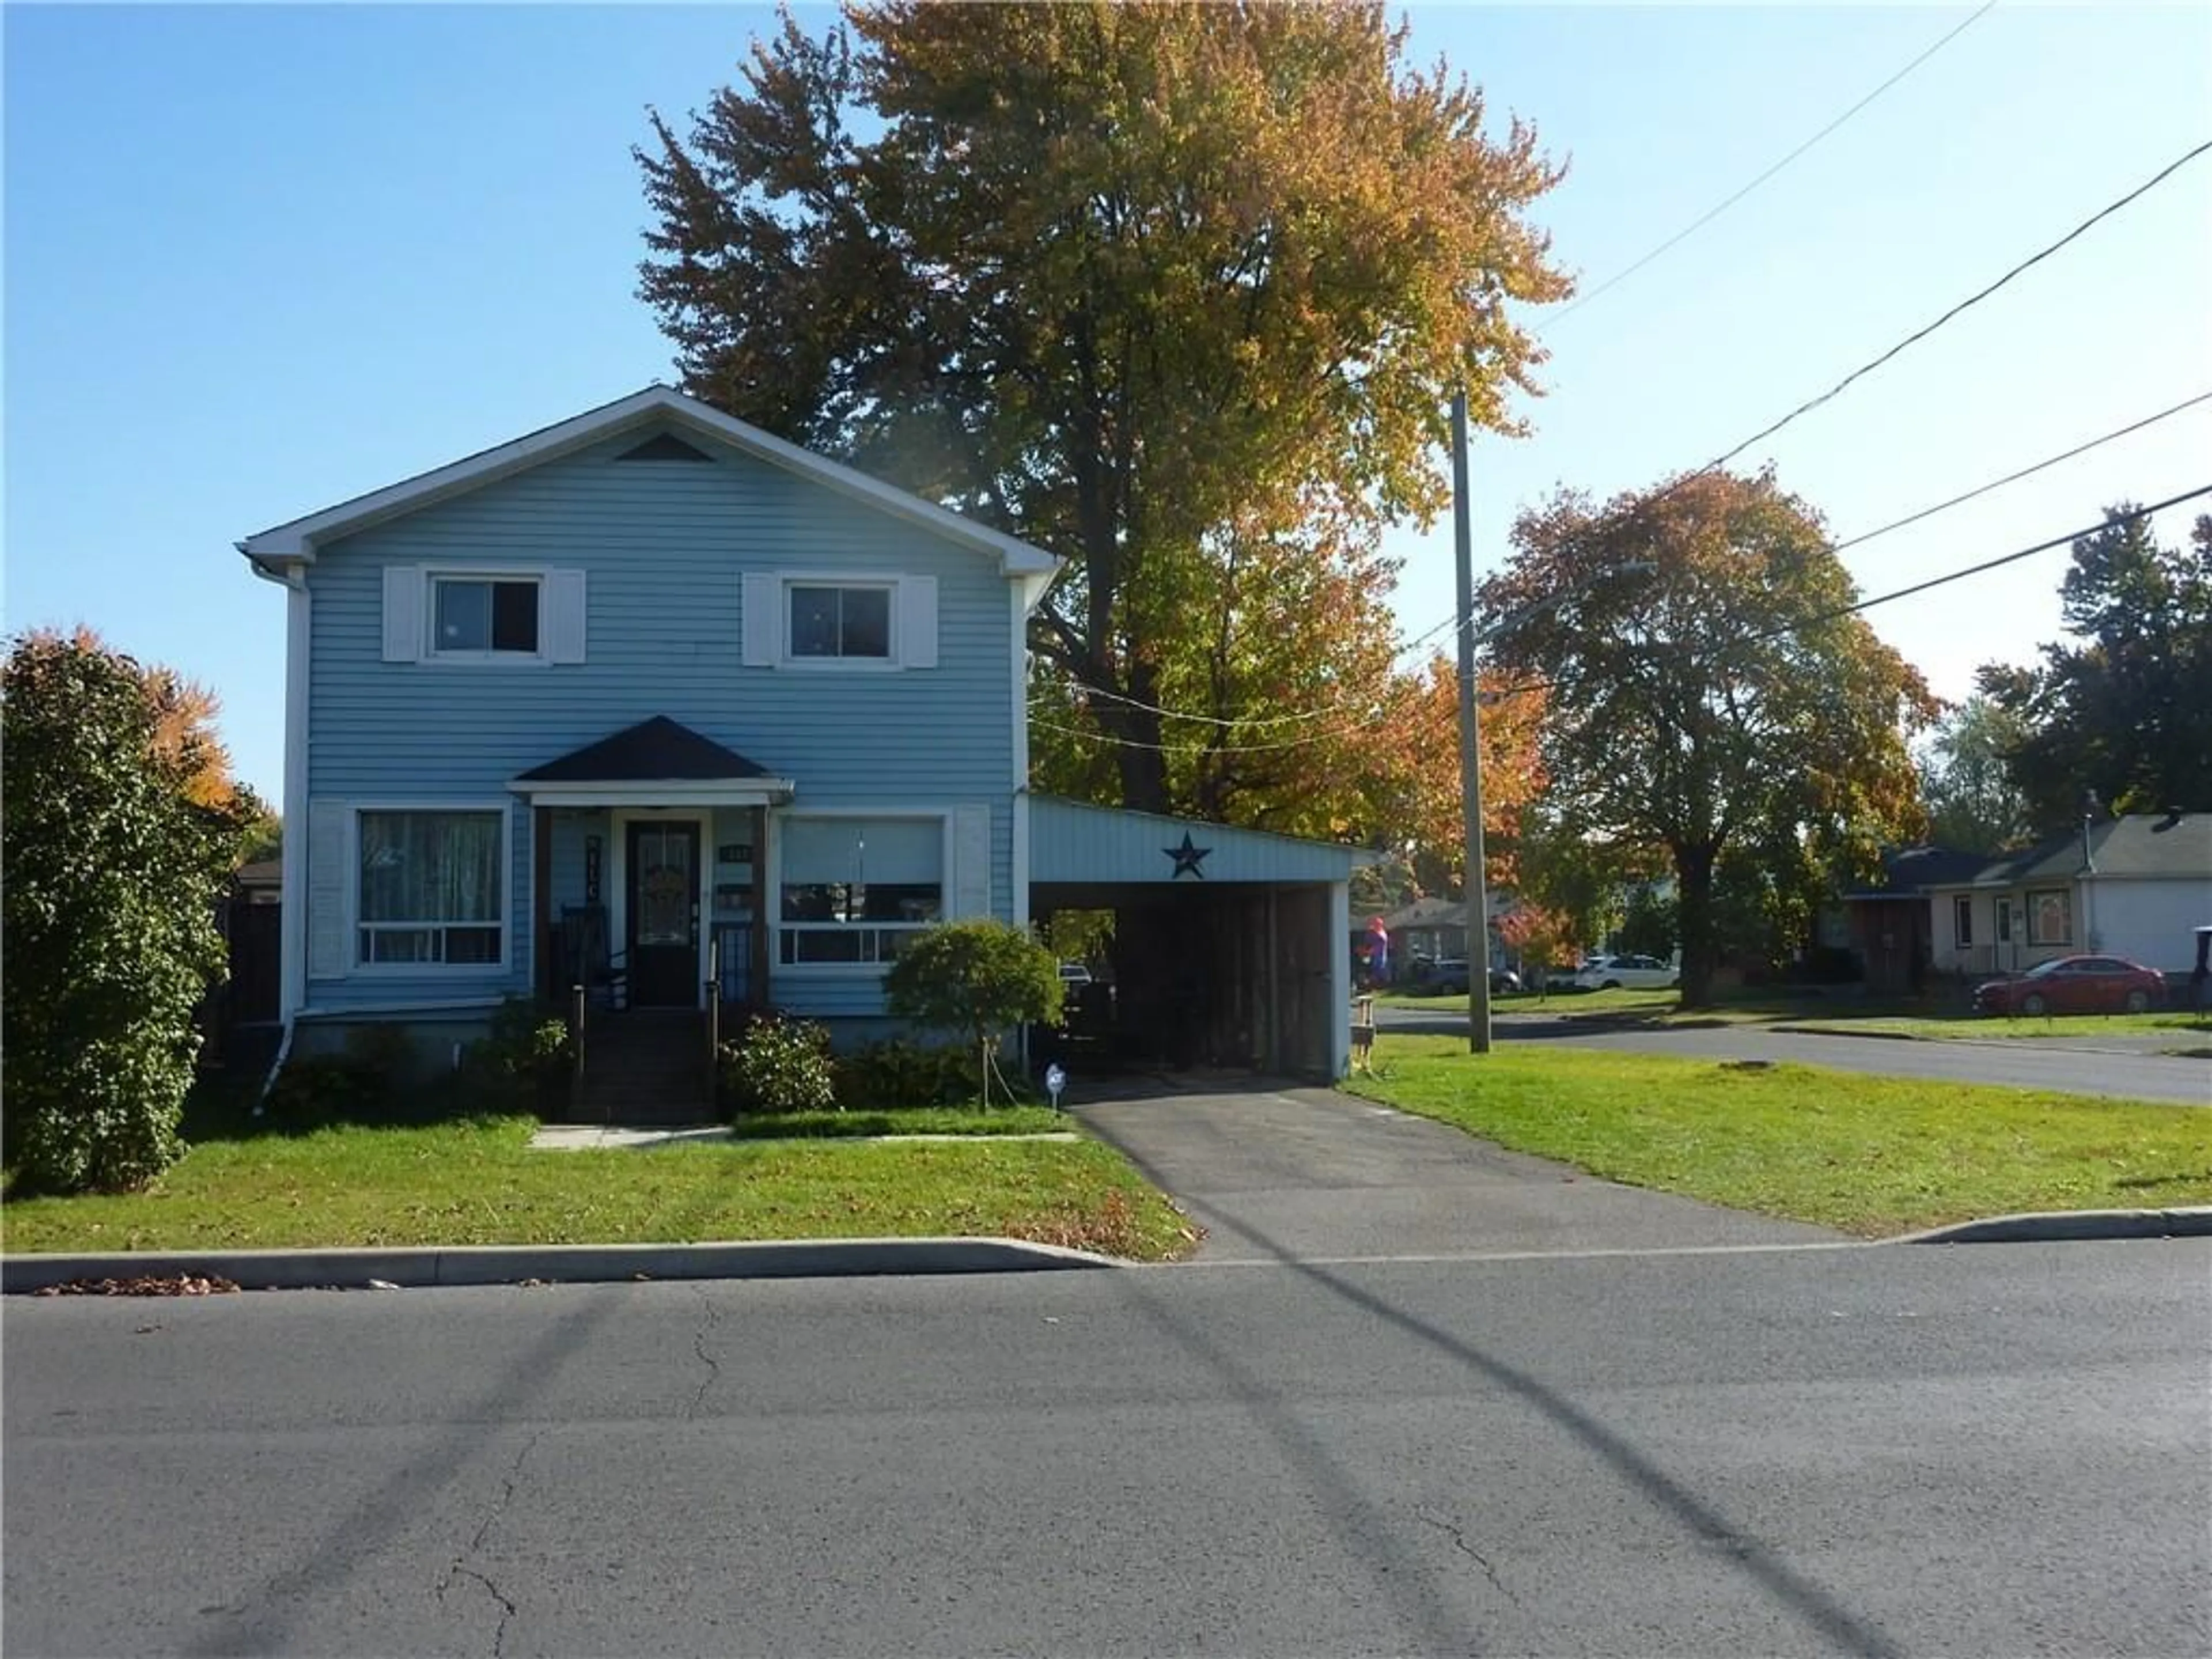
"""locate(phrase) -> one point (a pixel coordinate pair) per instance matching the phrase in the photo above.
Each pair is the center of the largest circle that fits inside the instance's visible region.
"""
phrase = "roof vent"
(663, 446)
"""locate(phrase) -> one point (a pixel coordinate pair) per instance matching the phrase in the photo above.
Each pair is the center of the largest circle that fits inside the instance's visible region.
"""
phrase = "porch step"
(644, 1067)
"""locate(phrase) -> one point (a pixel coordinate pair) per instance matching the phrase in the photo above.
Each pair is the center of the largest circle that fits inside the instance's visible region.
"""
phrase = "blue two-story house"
(654, 698)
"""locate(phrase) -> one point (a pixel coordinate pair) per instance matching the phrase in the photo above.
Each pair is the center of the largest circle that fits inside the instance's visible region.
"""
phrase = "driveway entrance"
(1307, 1175)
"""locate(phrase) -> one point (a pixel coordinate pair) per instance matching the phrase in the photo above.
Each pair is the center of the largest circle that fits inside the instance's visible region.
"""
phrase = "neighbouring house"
(2135, 886)
(653, 706)
(1891, 919)
(1432, 929)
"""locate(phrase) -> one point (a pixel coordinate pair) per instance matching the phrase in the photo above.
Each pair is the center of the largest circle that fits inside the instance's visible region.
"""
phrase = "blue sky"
(260, 259)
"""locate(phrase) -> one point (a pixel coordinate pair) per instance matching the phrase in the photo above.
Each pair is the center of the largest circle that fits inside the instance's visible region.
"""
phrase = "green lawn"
(477, 1182)
(1872, 1155)
(902, 1120)
(1836, 1013)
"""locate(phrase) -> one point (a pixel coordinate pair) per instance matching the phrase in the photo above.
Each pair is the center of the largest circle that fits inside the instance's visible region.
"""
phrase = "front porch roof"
(656, 762)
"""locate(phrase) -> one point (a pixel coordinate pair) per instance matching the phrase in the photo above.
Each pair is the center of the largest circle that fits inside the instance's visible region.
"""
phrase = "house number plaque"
(591, 869)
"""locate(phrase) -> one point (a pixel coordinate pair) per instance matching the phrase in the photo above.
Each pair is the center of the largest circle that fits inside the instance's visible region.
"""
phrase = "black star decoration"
(1187, 858)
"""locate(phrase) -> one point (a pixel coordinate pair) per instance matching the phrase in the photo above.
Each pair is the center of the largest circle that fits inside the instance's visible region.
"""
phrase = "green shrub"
(315, 1090)
(981, 979)
(526, 1050)
(778, 1065)
(119, 827)
(899, 1072)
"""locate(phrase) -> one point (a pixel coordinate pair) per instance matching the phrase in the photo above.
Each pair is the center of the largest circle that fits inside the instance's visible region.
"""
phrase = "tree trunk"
(1693, 875)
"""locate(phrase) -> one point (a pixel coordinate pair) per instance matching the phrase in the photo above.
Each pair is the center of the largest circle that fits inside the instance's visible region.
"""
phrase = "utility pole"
(1475, 889)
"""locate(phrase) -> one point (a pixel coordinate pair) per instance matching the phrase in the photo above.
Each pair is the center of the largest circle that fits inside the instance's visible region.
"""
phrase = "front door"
(664, 916)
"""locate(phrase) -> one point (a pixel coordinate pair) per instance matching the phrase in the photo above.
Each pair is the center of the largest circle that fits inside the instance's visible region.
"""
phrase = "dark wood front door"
(663, 884)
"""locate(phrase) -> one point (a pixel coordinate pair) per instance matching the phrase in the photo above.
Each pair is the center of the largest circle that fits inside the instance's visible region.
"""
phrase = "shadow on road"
(354, 1541)
(1791, 1591)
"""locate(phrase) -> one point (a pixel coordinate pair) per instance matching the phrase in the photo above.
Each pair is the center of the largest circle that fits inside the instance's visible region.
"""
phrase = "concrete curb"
(570, 1264)
(2193, 1222)
(2064, 1045)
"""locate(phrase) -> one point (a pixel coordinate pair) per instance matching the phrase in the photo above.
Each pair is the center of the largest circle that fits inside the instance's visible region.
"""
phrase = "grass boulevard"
(1869, 1155)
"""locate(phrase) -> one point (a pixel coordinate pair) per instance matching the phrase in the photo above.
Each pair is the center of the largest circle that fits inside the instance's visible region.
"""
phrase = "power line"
(1711, 214)
(2028, 264)
(1547, 683)
(1327, 710)
(2026, 472)
(1914, 338)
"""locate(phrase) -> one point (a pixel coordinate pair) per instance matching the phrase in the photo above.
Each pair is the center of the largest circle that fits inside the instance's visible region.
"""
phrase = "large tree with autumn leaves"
(1178, 292)
(1725, 705)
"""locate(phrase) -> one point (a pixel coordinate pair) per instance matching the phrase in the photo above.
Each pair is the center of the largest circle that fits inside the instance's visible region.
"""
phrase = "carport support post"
(1470, 752)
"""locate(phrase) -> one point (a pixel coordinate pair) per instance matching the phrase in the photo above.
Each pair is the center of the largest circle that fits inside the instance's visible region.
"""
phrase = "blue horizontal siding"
(665, 546)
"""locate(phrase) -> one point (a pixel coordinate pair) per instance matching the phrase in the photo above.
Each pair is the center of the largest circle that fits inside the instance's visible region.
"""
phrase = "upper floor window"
(509, 617)
(474, 617)
(866, 622)
(844, 620)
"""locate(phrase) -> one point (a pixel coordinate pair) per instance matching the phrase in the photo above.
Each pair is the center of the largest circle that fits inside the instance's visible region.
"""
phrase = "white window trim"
(538, 576)
(1962, 909)
(499, 969)
(869, 582)
(778, 968)
(2029, 895)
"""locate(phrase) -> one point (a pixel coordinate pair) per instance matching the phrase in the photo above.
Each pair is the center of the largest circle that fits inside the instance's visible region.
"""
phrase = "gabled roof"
(658, 750)
(2175, 846)
(654, 406)
(1430, 912)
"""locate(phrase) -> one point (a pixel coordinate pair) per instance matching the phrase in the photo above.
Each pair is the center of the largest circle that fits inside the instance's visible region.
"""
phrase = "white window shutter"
(564, 615)
(762, 622)
(404, 601)
(971, 862)
(917, 602)
(330, 876)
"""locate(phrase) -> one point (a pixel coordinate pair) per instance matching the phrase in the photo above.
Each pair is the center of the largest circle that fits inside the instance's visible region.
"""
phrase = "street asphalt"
(1983, 1451)
(2021, 1062)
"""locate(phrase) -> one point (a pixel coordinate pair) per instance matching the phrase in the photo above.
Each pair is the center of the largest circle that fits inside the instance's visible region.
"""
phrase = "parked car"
(1448, 977)
(1604, 973)
(1073, 975)
(2075, 985)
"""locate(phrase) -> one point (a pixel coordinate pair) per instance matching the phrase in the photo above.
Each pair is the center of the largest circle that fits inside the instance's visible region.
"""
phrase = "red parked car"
(2075, 985)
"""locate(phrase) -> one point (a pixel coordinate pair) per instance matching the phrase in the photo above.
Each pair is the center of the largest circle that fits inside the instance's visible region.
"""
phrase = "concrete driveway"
(1309, 1175)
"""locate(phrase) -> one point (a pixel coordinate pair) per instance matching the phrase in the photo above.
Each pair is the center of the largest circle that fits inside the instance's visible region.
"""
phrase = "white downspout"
(292, 972)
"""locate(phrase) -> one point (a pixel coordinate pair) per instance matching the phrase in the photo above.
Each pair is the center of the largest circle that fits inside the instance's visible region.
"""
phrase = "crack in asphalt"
(699, 1347)
(460, 1569)
(1459, 1538)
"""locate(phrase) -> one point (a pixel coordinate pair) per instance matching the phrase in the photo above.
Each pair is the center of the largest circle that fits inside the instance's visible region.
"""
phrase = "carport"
(1229, 945)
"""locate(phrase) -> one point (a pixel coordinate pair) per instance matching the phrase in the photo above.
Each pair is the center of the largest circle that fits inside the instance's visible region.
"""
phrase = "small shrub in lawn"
(316, 1091)
(899, 1072)
(778, 1065)
(982, 979)
(525, 1051)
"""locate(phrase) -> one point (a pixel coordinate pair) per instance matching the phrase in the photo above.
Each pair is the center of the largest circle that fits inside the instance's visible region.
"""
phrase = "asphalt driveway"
(1297, 1174)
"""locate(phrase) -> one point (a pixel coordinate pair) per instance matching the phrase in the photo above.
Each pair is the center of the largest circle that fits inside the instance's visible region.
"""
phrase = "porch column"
(541, 901)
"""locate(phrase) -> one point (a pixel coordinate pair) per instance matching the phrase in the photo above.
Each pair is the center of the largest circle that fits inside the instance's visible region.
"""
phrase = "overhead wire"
(1713, 213)
(1795, 625)
(1303, 716)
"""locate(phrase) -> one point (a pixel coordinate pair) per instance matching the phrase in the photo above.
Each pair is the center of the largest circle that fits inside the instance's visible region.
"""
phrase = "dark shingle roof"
(1911, 870)
(658, 750)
